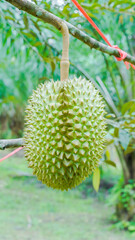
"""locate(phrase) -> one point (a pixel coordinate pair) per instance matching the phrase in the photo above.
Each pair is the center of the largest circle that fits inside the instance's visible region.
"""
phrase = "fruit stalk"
(64, 64)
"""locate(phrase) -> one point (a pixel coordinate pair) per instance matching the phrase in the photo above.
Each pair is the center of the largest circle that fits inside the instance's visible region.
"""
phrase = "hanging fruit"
(65, 128)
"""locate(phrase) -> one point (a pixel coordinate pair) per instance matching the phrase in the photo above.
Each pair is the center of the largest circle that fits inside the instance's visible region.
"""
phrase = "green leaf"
(132, 109)
(111, 115)
(10, 18)
(130, 149)
(37, 44)
(53, 66)
(96, 179)
(36, 25)
(116, 132)
(109, 162)
(107, 154)
(26, 22)
(29, 35)
(127, 106)
(131, 228)
(124, 138)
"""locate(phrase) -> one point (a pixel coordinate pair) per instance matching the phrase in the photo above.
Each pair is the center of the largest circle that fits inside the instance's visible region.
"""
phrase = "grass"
(31, 211)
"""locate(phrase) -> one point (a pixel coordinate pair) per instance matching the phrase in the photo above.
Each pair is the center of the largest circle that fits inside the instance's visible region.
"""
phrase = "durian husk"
(64, 132)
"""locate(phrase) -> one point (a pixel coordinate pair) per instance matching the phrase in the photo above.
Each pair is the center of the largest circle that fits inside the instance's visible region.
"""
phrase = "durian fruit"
(64, 132)
(65, 128)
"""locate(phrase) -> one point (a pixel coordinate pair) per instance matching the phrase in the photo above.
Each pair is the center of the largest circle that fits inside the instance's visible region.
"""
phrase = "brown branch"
(50, 18)
(9, 143)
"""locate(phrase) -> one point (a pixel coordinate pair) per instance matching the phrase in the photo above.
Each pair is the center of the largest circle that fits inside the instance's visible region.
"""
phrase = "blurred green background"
(29, 210)
(30, 53)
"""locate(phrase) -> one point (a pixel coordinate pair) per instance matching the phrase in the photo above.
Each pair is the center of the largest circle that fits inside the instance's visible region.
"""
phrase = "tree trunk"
(130, 162)
(122, 212)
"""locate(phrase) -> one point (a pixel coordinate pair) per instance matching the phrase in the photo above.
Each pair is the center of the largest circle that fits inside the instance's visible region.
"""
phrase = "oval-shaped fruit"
(64, 132)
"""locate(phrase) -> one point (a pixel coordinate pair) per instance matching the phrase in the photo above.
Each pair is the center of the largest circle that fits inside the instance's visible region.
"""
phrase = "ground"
(31, 211)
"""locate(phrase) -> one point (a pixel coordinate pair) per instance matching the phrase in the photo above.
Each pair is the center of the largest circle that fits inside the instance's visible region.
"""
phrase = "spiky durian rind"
(64, 132)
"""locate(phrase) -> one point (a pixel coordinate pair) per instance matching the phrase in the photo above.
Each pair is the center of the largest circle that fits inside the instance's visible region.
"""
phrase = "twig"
(50, 18)
(9, 143)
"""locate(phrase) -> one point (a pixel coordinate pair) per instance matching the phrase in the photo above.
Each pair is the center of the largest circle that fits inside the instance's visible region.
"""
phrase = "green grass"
(31, 211)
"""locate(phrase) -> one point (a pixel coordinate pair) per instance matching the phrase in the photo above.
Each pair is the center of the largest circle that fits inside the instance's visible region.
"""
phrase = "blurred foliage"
(31, 210)
(123, 196)
(123, 131)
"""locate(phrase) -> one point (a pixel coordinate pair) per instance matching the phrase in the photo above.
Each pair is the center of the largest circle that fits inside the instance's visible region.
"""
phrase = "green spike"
(60, 114)
(53, 143)
(48, 157)
(50, 116)
(52, 169)
(77, 165)
(75, 157)
(62, 171)
(65, 139)
(58, 165)
(78, 126)
(76, 119)
(82, 152)
(50, 176)
(56, 119)
(61, 156)
(48, 125)
(71, 113)
(47, 146)
(76, 143)
(75, 150)
(87, 134)
(53, 152)
(67, 163)
(63, 130)
(68, 155)
(70, 169)
(47, 164)
(53, 131)
(56, 176)
(70, 134)
(70, 174)
(84, 120)
(69, 122)
(82, 140)
(80, 113)
(68, 147)
(84, 160)
(75, 168)
(53, 160)
(85, 145)
(61, 123)
(60, 145)
(58, 136)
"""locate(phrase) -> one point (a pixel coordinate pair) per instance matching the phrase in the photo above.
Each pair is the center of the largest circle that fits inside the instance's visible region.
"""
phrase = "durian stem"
(64, 64)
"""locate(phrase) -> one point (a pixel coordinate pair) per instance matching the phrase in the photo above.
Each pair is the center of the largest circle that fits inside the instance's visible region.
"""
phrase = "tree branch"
(9, 143)
(50, 18)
